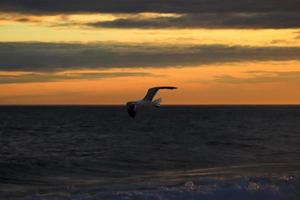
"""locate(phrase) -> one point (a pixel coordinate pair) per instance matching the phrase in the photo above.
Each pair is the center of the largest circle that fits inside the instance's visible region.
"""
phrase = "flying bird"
(147, 100)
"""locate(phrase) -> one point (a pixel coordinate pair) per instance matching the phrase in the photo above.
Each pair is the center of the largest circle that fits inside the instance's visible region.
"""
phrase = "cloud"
(16, 18)
(49, 77)
(195, 13)
(166, 21)
(261, 77)
(61, 56)
(137, 6)
(40, 57)
(208, 20)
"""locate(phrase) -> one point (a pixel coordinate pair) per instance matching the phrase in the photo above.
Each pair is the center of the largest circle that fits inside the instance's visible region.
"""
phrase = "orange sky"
(236, 82)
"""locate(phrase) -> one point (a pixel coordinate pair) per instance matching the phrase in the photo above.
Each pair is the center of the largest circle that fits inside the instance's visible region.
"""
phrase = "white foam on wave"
(205, 188)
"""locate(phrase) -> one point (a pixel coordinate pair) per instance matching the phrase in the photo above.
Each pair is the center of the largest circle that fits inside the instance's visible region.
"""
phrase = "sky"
(110, 52)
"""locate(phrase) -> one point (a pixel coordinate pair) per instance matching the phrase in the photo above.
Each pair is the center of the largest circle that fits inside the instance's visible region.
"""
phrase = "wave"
(263, 181)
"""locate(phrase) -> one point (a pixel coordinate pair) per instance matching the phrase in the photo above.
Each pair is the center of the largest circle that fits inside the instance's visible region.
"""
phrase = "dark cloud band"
(136, 6)
(196, 13)
(208, 20)
(39, 57)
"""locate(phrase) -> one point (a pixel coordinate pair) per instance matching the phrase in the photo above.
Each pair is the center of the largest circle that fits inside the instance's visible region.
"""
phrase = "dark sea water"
(174, 152)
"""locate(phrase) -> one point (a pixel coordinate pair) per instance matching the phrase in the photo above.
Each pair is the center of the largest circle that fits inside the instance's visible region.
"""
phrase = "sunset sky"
(112, 51)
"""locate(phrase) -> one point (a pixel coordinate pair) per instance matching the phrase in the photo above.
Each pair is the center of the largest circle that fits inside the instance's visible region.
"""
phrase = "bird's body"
(147, 101)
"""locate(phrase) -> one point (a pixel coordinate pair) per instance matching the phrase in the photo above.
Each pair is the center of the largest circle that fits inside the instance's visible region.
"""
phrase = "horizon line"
(237, 104)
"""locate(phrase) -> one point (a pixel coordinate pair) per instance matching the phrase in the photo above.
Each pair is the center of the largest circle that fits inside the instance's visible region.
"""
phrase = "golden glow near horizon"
(255, 82)
(251, 83)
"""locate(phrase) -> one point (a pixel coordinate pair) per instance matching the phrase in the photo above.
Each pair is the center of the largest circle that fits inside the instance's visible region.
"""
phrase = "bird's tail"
(157, 102)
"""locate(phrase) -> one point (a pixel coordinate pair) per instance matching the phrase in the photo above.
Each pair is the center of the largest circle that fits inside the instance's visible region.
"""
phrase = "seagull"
(147, 100)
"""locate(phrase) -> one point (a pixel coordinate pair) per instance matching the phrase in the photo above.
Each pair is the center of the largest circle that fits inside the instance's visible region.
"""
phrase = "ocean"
(173, 152)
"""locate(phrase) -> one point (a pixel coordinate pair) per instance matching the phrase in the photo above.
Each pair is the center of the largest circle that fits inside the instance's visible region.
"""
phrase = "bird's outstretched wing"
(152, 91)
